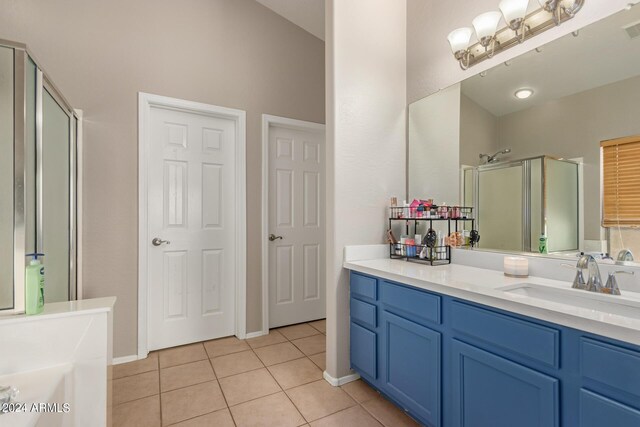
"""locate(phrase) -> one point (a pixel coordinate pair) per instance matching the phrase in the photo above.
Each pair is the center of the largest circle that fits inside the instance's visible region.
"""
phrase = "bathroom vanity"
(462, 346)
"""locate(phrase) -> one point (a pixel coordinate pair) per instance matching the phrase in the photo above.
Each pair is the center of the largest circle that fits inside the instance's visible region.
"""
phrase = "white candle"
(516, 266)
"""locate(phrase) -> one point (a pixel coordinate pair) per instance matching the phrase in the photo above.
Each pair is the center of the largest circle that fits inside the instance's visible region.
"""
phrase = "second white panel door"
(296, 226)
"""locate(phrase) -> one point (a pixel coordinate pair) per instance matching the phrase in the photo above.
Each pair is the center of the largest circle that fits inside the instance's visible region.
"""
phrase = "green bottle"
(542, 244)
(34, 285)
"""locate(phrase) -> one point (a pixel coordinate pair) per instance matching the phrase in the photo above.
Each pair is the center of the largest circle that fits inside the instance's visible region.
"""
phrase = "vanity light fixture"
(523, 93)
(520, 27)
(486, 26)
(514, 12)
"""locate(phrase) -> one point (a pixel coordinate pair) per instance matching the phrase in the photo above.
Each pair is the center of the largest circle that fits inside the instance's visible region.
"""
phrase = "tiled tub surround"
(273, 380)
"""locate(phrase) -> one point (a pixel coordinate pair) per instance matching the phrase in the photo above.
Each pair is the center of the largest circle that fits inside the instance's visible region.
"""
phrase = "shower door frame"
(526, 195)
(20, 192)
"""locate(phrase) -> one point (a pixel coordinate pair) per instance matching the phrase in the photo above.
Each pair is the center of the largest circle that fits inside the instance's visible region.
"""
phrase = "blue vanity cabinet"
(455, 363)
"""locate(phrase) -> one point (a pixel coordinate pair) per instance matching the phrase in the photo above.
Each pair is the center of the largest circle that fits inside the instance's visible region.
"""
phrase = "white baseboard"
(125, 359)
(336, 382)
(256, 334)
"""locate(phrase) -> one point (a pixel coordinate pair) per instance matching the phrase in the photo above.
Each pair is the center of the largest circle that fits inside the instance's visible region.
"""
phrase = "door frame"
(283, 122)
(145, 102)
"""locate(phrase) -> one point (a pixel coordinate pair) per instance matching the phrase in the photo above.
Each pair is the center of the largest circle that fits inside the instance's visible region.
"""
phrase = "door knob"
(273, 237)
(158, 241)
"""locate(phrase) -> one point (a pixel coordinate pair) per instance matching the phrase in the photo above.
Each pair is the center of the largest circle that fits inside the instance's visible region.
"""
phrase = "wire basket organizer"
(453, 218)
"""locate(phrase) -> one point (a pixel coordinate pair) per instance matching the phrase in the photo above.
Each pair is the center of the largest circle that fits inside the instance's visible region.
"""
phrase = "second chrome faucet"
(594, 282)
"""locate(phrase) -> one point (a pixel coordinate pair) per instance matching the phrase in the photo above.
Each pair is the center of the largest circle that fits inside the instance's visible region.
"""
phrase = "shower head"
(494, 158)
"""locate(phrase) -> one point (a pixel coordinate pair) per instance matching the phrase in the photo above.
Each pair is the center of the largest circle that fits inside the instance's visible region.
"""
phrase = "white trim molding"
(145, 102)
(337, 382)
(267, 122)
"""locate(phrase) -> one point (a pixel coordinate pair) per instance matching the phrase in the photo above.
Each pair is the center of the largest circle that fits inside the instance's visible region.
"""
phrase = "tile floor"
(273, 380)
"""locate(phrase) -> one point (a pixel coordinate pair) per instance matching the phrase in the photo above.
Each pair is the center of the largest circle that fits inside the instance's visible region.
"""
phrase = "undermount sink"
(611, 304)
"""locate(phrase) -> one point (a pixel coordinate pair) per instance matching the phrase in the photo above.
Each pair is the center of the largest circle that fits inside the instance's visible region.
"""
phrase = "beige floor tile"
(298, 331)
(181, 355)
(274, 410)
(320, 325)
(186, 375)
(318, 399)
(190, 402)
(274, 337)
(235, 363)
(278, 353)
(221, 418)
(295, 373)
(248, 386)
(320, 359)
(360, 391)
(388, 414)
(137, 367)
(135, 387)
(225, 346)
(352, 417)
(311, 345)
(139, 413)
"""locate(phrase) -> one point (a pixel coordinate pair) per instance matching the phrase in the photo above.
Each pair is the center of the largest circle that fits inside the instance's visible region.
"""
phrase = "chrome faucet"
(625, 255)
(594, 283)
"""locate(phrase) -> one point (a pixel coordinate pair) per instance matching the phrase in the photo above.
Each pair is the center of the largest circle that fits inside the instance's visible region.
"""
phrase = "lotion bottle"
(34, 285)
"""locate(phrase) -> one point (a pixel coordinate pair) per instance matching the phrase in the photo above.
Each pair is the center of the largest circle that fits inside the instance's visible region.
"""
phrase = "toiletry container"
(34, 285)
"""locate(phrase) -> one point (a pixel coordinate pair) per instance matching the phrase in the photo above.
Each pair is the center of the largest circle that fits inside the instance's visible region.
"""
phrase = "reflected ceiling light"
(520, 27)
(523, 93)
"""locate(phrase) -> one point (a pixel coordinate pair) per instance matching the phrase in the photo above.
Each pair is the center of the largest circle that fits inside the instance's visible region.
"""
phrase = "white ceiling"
(603, 53)
(307, 14)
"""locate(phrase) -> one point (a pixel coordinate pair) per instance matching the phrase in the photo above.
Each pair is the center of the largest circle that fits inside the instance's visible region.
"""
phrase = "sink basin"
(610, 304)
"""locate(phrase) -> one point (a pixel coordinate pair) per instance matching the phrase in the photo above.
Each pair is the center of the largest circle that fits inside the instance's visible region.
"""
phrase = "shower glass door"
(500, 207)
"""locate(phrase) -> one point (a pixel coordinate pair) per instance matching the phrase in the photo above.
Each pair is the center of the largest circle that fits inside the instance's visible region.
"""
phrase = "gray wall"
(478, 132)
(234, 53)
(574, 126)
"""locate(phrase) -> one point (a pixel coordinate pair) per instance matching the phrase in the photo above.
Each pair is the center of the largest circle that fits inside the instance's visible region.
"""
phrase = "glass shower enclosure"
(38, 179)
(520, 200)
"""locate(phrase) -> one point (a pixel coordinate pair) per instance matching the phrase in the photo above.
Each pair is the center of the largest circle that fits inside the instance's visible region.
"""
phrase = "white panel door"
(296, 220)
(191, 205)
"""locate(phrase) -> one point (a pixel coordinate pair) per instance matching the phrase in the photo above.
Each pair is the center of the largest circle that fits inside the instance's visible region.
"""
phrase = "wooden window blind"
(621, 182)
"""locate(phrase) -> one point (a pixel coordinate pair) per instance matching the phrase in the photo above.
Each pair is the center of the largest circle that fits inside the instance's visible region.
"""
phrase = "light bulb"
(486, 24)
(459, 39)
(514, 9)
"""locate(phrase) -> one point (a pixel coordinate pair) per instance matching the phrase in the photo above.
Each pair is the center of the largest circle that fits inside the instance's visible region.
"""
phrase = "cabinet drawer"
(412, 303)
(519, 338)
(363, 313)
(363, 351)
(363, 286)
(612, 369)
(598, 411)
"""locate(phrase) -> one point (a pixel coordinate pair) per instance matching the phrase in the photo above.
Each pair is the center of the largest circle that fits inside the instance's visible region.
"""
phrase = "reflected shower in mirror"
(528, 139)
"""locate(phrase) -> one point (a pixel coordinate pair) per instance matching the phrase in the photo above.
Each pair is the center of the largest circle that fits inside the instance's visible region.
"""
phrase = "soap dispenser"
(34, 285)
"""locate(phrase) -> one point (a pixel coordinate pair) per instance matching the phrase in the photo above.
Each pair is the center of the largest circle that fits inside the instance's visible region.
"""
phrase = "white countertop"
(480, 285)
(64, 309)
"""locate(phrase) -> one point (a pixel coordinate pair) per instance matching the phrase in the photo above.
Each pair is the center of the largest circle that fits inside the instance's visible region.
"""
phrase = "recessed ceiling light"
(523, 93)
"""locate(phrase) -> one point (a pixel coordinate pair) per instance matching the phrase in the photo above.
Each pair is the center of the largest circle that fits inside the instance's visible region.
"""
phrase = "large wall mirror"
(546, 144)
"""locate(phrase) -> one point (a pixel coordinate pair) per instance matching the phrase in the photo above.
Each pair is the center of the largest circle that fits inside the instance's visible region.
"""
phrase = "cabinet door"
(363, 352)
(598, 411)
(491, 391)
(411, 367)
